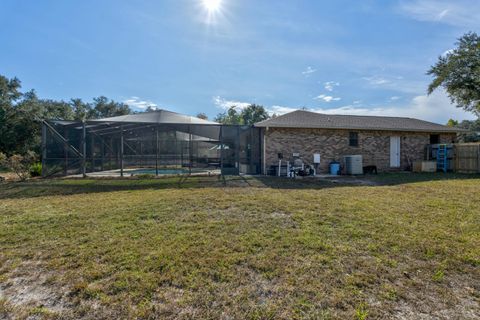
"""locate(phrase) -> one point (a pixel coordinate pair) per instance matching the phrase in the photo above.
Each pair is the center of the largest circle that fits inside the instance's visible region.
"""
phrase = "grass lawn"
(407, 247)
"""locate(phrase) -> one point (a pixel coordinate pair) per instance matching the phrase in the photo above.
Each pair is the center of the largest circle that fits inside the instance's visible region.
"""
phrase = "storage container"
(424, 166)
(334, 168)
(353, 164)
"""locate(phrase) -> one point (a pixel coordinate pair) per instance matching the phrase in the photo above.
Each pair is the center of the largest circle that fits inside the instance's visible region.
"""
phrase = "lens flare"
(212, 5)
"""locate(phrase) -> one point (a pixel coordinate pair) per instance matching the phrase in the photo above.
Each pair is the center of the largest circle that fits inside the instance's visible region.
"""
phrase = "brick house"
(390, 143)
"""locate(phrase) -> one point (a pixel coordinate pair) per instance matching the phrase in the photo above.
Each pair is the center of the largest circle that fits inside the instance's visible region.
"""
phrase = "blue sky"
(351, 57)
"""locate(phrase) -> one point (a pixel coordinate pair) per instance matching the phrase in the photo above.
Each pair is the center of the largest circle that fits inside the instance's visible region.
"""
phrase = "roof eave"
(454, 130)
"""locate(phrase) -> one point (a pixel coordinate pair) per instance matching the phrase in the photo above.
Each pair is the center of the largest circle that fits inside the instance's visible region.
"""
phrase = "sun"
(212, 5)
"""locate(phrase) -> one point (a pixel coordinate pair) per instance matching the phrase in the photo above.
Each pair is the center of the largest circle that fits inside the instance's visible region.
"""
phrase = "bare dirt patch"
(29, 287)
(458, 298)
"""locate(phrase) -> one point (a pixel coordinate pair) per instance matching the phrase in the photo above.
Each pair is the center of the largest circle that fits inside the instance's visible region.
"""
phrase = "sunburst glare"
(212, 5)
(214, 10)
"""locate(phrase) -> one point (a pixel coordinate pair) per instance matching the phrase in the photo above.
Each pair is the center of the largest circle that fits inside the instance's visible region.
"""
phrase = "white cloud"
(330, 85)
(137, 103)
(279, 110)
(461, 13)
(326, 98)
(377, 80)
(436, 108)
(309, 71)
(394, 98)
(395, 83)
(225, 104)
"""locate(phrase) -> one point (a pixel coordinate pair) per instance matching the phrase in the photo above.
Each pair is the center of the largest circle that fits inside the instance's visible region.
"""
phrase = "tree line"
(249, 115)
(20, 113)
(473, 127)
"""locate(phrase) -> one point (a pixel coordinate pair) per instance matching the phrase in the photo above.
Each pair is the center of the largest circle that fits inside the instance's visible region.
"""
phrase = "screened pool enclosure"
(159, 142)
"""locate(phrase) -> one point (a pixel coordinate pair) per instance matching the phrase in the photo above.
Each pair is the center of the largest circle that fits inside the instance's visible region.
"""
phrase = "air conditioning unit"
(353, 164)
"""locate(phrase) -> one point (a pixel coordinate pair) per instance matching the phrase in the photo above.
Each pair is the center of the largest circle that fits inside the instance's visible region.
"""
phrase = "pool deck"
(131, 173)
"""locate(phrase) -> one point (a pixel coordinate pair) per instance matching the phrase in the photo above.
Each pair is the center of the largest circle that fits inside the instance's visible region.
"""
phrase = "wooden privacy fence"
(467, 157)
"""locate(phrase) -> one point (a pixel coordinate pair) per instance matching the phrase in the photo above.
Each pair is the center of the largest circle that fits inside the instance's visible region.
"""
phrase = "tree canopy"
(20, 112)
(458, 72)
(202, 115)
(452, 123)
(248, 116)
(473, 126)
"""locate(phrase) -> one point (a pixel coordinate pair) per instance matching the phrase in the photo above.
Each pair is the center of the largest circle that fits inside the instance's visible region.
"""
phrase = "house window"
(434, 138)
(353, 139)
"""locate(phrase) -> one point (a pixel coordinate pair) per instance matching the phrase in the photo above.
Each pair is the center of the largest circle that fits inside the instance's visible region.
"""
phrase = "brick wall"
(332, 145)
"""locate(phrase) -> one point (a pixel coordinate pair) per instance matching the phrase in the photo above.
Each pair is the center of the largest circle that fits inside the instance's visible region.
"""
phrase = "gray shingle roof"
(307, 119)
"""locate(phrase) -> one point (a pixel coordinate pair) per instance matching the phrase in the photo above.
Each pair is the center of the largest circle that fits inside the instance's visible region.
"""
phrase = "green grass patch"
(250, 248)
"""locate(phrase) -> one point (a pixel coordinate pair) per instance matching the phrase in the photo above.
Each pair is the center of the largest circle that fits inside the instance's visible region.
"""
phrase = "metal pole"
(141, 154)
(113, 155)
(92, 150)
(190, 146)
(249, 150)
(221, 150)
(65, 152)
(84, 150)
(102, 151)
(264, 150)
(156, 152)
(237, 151)
(44, 149)
(121, 151)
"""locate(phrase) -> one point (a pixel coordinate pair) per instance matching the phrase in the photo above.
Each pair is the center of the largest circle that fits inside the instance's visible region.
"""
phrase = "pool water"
(160, 171)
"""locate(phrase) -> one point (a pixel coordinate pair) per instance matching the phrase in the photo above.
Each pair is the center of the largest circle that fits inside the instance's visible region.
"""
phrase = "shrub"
(19, 164)
(36, 169)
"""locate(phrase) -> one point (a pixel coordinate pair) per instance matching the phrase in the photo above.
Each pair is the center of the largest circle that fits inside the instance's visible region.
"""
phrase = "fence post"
(455, 157)
(478, 159)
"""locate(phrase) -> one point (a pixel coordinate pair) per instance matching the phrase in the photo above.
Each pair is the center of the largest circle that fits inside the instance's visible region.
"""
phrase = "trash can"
(334, 168)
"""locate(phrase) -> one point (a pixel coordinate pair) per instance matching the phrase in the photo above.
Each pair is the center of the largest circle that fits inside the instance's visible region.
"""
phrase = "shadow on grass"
(409, 177)
(51, 187)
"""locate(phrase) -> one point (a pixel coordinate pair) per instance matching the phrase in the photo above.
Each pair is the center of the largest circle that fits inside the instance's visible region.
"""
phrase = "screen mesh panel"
(129, 148)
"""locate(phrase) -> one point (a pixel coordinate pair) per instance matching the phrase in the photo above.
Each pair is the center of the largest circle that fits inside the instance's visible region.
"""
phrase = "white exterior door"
(395, 152)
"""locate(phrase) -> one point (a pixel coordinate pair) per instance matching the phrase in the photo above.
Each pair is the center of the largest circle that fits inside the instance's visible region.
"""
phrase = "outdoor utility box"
(283, 171)
(424, 166)
(353, 164)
